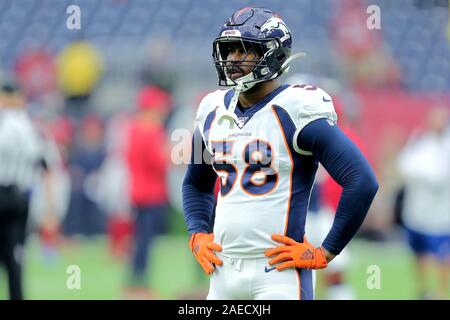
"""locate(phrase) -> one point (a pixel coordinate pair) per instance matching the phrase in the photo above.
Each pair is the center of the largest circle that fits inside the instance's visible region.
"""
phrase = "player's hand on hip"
(203, 247)
(293, 254)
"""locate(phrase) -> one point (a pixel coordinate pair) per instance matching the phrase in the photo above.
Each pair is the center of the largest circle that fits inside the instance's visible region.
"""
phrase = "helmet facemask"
(270, 53)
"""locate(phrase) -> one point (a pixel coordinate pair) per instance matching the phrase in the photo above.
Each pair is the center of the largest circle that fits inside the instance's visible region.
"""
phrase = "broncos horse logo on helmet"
(263, 32)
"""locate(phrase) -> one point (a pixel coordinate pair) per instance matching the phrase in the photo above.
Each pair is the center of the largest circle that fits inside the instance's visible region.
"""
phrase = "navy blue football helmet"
(259, 30)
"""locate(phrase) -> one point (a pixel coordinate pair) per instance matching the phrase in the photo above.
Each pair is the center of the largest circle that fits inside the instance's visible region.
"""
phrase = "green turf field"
(175, 272)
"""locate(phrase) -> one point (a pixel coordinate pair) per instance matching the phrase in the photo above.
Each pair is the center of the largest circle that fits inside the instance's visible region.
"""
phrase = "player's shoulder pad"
(306, 103)
(208, 104)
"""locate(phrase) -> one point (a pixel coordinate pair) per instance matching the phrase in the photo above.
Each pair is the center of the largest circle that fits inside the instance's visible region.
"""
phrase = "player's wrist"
(328, 256)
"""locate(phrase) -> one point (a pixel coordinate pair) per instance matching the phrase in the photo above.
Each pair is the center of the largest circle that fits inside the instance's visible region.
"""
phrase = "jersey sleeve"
(202, 113)
(198, 189)
(306, 103)
(198, 184)
(206, 107)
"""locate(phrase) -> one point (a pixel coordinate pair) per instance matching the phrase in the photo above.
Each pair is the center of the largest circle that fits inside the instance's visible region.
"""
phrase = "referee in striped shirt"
(21, 158)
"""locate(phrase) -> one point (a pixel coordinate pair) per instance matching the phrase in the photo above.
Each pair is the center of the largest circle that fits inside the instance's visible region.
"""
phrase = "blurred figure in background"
(49, 199)
(22, 154)
(79, 68)
(36, 72)
(363, 60)
(424, 165)
(158, 66)
(85, 216)
(114, 185)
(147, 161)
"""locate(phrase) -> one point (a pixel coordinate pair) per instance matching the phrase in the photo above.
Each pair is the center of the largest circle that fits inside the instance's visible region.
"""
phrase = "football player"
(264, 142)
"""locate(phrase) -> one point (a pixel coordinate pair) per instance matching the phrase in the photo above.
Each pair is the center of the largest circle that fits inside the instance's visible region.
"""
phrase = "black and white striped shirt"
(21, 149)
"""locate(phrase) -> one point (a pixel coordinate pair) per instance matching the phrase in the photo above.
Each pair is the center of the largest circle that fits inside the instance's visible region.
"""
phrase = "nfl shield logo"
(241, 121)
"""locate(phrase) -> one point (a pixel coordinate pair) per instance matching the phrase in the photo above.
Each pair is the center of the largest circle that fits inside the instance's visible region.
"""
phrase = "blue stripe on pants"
(306, 284)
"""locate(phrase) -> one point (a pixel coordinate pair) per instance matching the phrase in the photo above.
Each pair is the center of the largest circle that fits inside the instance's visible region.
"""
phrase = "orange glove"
(202, 247)
(296, 255)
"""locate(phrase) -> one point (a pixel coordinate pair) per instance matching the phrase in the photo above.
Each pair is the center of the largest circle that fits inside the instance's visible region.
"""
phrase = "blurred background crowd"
(110, 99)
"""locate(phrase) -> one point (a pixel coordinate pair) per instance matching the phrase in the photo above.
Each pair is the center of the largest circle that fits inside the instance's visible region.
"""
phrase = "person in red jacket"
(147, 161)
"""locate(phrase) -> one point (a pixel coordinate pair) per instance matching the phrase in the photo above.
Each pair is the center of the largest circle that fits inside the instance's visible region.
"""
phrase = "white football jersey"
(266, 179)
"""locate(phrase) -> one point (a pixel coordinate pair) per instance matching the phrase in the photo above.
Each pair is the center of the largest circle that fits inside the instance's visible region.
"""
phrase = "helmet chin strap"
(228, 114)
